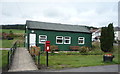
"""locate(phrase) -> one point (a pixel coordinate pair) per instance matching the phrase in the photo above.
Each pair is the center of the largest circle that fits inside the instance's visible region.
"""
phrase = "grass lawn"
(69, 61)
(74, 60)
(8, 43)
(3, 62)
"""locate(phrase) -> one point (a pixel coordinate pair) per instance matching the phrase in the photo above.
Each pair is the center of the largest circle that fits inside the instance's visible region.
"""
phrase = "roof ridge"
(56, 26)
(56, 23)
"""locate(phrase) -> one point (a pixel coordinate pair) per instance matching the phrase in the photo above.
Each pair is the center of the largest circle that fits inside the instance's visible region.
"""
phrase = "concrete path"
(22, 61)
(4, 48)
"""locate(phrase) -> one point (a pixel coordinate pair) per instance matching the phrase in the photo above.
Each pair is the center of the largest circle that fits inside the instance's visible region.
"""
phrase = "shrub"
(84, 50)
(53, 48)
(34, 50)
(4, 35)
(95, 45)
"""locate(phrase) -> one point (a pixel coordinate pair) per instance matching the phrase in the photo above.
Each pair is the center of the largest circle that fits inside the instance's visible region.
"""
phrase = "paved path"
(107, 68)
(4, 48)
(22, 61)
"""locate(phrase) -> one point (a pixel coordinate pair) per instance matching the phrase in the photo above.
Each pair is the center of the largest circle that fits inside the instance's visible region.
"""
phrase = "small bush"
(53, 48)
(95, 45)
(84, 50)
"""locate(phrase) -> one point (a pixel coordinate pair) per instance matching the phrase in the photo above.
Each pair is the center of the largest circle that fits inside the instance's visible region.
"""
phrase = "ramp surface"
(22, 61)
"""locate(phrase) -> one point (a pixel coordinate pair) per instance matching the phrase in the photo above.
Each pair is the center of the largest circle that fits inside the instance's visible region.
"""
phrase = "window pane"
(67, 37)
(42, 40)
(59, 41)
(80, 41)
(80, 38)
(59, 37)
(67, 41)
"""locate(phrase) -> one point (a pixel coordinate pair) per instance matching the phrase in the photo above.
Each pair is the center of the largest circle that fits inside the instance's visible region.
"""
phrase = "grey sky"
(96, 14)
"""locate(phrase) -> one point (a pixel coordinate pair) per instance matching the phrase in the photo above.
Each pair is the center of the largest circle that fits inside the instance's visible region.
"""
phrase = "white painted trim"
(58, 38)
(81, 39)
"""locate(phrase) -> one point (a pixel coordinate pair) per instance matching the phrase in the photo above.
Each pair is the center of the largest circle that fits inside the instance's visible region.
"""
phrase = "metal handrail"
(11, 53)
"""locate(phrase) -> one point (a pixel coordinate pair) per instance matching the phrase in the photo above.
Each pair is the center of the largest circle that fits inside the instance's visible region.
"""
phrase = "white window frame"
(67, 39)
(59, 38)
(45, 39)
(81, 39)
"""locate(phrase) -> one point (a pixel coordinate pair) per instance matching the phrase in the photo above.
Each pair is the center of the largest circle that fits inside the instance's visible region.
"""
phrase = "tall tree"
(110, 35)
(103, 39)
(107, 38)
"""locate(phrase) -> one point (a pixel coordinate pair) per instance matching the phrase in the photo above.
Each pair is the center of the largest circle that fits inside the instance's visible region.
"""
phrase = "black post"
(8, 60)
(39, 58)
(47, 58)
(34, 54)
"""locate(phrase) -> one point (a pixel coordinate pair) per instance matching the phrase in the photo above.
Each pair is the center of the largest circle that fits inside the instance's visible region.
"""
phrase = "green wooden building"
(64, 36)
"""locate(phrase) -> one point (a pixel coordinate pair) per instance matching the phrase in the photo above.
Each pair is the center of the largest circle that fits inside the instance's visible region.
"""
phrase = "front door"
(32, 40)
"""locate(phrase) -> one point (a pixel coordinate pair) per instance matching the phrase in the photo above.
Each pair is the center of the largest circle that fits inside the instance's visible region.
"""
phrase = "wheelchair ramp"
(22, 61)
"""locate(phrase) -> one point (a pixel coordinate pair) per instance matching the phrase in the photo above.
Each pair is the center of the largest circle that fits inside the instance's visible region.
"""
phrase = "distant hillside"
(16, 26)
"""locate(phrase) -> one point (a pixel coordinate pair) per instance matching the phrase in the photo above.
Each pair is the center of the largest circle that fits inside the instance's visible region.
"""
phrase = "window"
(42, 39)
(81, 40)
(59, 39)
(67, 40)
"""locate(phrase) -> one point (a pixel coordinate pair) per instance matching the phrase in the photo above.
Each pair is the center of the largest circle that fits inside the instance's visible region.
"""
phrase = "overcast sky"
(73, 12)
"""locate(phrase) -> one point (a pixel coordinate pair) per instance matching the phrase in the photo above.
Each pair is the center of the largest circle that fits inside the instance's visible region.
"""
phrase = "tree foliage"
(16, 26)
(107, 38)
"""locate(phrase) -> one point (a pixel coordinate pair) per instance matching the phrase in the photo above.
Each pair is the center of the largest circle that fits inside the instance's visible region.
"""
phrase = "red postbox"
(47, 46)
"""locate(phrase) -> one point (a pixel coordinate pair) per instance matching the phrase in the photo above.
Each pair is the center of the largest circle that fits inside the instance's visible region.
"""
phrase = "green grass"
(3, 62)
(13, 30)
(75, 59)
(8, 43)
(68, 61)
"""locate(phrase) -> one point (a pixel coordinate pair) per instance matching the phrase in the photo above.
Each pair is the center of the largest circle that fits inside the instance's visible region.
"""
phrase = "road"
(107, 68)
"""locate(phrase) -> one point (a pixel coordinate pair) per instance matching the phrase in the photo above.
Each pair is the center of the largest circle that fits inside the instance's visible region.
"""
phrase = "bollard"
(39, 59)
(8, 61)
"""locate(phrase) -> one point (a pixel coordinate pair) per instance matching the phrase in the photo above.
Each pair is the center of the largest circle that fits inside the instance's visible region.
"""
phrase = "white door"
(32, 40)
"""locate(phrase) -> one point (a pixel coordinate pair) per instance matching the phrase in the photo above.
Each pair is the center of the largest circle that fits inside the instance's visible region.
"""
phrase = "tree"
(103, 39)
(107, 38)
(111, 35)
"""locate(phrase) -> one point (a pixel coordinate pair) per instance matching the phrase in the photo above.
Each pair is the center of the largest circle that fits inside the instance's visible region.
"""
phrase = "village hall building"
(62, 35)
